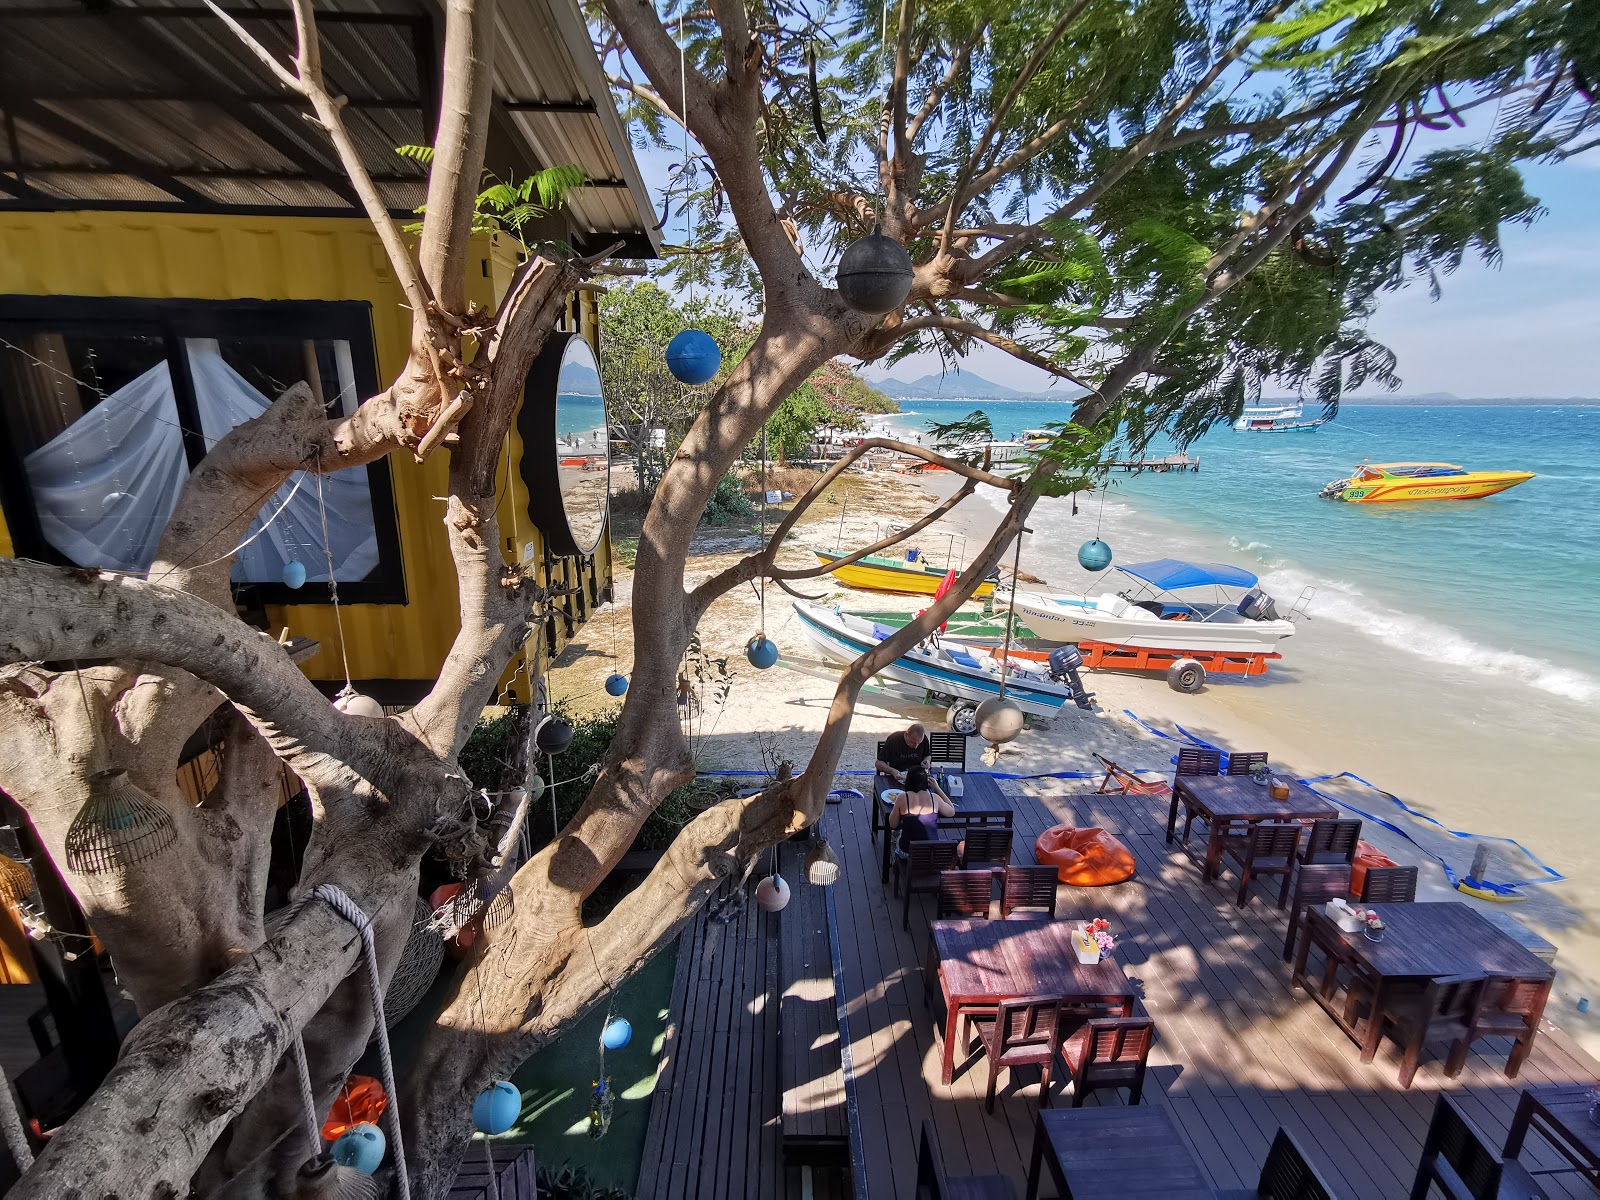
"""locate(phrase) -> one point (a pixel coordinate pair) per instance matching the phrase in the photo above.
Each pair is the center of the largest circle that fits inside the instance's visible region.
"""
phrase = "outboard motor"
(1258, 606)
(1064, 663)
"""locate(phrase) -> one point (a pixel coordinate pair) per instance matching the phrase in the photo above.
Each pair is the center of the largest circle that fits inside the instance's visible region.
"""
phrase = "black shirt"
(900, 756)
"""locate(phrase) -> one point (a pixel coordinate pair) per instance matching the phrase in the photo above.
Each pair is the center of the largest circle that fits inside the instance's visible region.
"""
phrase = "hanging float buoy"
(875, 274)
(772, 894)
(361, 1147)
(616, 684)
(617, 1033)
(762, 652)
(353, 704)
(294, 573)
(693, 357)
(497, 1107)
(999, 720)
(553, 735)
(1094, 556)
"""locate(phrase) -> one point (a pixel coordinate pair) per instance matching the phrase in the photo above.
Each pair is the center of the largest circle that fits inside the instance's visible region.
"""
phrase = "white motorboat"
(960, 676)
(1169, 605)
(1275, 418)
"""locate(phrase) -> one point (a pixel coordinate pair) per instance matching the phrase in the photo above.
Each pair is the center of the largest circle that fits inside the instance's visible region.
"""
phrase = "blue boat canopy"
(1171, 574)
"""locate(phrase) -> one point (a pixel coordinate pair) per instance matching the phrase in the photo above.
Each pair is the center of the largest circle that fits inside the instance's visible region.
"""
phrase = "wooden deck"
(1237, 1055)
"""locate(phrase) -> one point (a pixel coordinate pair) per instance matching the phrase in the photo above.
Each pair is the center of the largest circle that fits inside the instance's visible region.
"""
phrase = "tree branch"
(957, 69)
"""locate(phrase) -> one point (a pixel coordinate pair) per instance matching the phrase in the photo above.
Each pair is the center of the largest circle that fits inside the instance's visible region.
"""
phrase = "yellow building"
(177, 245)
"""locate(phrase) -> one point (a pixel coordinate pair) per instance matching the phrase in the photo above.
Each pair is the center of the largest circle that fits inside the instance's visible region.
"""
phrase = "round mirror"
(566, 457)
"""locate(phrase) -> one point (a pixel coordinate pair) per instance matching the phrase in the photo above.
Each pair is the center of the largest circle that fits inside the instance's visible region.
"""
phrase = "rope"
(333, 584)
(307, 1100)
(334, 897)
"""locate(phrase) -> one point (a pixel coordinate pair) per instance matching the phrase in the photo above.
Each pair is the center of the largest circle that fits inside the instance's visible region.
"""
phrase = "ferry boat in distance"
(1379, 483)
(1275, 418)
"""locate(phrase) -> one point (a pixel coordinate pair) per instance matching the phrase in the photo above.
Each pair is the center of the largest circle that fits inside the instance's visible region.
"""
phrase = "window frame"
(174, 321)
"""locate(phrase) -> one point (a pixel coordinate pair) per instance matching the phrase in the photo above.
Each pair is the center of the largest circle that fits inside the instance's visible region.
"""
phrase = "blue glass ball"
(1094, 556)
(616, 684)
(693, 357)
(294, 573)
(360, 1147)
(617, 1033)
(497, 1107)
(762, 652)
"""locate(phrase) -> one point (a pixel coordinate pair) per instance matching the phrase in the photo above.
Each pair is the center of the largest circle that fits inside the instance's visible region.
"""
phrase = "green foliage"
(568, 1182)
(1074, 459)
(791, 428)
(963, 439)
(728, 503)
(492, 750)
(509, 206)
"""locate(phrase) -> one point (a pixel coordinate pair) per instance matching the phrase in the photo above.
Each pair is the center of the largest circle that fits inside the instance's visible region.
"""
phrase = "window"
(107, 405)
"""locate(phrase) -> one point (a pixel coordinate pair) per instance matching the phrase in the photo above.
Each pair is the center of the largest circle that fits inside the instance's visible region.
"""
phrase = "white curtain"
(105, 487)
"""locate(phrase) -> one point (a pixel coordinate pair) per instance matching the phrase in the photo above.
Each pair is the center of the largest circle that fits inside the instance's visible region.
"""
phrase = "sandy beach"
(777, 714)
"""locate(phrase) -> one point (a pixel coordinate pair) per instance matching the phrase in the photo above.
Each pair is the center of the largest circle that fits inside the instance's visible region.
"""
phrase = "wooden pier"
(1170, 462)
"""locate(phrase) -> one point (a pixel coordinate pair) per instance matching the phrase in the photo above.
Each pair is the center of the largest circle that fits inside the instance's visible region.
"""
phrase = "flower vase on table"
(1092, 940)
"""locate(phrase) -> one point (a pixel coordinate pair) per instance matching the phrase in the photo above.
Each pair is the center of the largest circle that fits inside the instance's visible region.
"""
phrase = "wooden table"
(1226, 800)
(1560, 1111)
(981, 962)
(1422, 941)
(982, 803)
(1115, 1151)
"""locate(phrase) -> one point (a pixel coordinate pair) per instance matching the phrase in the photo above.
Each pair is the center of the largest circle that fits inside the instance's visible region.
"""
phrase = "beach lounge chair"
(1021, 1033)
(1463, 1164)
(1109, 1053)
(1127, 783)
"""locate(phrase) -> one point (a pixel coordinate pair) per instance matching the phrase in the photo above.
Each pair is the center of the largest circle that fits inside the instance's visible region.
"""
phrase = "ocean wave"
(1428, 639)
(1257, 550)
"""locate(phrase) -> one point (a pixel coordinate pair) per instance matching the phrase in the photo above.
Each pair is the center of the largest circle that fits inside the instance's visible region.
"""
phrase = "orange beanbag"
(1366, 856)
(1084, 857)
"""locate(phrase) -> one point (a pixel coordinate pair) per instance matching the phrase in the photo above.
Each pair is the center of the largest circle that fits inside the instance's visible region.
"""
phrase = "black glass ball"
(553, 735)
(874, 274)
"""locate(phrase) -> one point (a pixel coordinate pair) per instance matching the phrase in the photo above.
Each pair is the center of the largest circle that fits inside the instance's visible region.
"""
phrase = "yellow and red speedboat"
(878, 573)
(1378, 483)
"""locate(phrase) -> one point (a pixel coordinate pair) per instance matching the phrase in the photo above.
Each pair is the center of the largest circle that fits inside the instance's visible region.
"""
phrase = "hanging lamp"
(874, 274)
(16, 881)
(822, 864)
(118, 826)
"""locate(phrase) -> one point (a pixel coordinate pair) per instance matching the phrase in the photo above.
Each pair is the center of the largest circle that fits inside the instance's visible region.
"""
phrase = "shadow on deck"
(1237, 1054)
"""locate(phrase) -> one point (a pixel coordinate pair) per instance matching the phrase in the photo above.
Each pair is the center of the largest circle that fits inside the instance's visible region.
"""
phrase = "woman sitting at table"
(916, 813)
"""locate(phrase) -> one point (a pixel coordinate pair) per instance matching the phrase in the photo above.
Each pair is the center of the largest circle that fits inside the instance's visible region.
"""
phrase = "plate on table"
(893, 795)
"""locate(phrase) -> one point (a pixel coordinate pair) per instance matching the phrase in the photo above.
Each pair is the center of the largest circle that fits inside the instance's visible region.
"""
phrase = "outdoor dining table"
(981, 803)
(1420, 942)
(1133, 1150)
(1226, 800)
(982, 962)
(1560, 1111)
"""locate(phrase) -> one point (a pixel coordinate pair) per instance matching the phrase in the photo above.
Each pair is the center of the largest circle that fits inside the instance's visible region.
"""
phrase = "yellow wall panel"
(186, 256)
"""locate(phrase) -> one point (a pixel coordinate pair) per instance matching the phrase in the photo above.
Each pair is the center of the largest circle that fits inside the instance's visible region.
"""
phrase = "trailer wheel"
(963, 718)
(1186, 676)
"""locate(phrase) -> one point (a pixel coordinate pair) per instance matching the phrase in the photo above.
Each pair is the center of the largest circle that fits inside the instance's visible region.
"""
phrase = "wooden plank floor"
(1237, 1054)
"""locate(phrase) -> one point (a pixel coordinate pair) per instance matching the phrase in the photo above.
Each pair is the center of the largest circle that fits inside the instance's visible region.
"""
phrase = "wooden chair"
(1286, 1175)
(919, 869)
(934, 1184)
(1332, 842)
(1313, 887)
(1031, 889)
(1021, 1033)
(1242, 762)
(1441, 1011)
(1389, 885)
(1128, 783)
(1511, 1007)
(965, 893)
(1464, 1164)
(1192, 760)
(948, 752)
(1108, 1052)
(1268, 849)
(987, 845)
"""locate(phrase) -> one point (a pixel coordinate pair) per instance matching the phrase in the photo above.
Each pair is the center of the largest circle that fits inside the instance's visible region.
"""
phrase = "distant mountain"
(964, 385)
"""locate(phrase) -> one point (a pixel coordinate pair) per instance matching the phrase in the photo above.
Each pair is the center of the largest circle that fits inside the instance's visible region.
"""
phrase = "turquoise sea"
(1503, 587)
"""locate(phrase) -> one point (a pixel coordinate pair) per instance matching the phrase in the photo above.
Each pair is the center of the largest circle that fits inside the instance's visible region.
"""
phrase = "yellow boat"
(1378, 483)
(875, 573)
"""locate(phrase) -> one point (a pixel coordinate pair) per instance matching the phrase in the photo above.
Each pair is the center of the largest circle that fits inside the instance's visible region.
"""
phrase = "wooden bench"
(816, 1129)
(514, 1174)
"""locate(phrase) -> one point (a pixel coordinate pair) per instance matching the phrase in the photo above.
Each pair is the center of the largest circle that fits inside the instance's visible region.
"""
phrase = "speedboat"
(1380, 483)
(951, 674)
(880, 573)
(1275, 418)
(1165, 607)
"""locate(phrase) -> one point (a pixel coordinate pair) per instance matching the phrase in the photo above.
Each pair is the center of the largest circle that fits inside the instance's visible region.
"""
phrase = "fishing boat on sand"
(1164, 608)
(960, 676)
(880, 573)
(1381, 483)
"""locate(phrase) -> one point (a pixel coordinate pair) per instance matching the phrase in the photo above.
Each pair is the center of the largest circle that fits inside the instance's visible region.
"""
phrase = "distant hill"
(964, 385)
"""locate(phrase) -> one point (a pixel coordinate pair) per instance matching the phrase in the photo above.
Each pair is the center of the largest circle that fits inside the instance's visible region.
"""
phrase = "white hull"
(1113, 620)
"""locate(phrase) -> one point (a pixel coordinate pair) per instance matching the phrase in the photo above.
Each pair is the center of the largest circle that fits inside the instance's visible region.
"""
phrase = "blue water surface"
(1516, 572)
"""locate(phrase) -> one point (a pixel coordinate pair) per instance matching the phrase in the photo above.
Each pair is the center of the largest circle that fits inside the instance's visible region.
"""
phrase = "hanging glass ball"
(294, 573)
(553, 735)
(874, 274)
(535, 786)
(354, 704)
(617, 1033)
(762, 652)
(616, 684)
(999, 720)
(772, 893)
(361, 1147)
(693, 357)
(497, 1107)
(1094, 556)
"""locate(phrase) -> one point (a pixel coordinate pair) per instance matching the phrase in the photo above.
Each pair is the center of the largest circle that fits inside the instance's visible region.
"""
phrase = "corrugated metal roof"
(156, 103)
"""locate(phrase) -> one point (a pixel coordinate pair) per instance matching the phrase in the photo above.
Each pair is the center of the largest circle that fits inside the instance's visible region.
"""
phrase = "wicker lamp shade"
(16, 881)
(500, 909)
(822, 864)
(417, 969)
(118, 826)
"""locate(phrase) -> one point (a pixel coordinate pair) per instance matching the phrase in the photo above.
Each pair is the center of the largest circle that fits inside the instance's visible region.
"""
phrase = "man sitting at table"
(901, 751)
